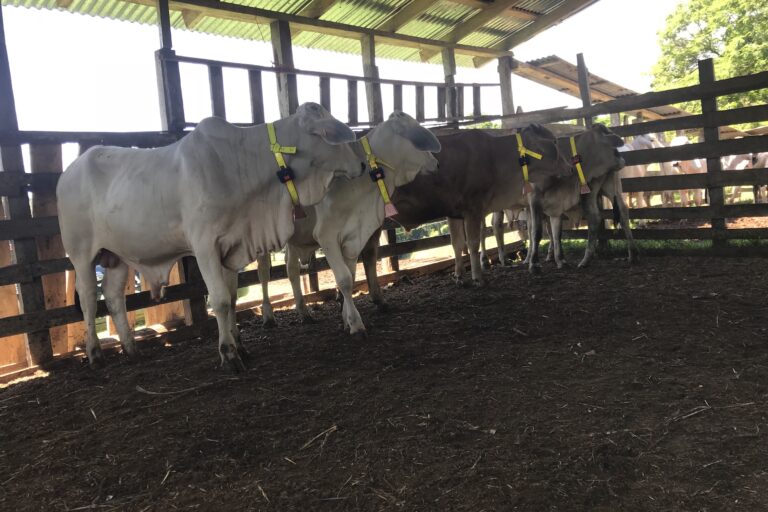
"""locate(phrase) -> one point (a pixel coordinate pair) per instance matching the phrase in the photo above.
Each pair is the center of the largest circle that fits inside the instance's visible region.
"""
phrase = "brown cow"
(478, 173)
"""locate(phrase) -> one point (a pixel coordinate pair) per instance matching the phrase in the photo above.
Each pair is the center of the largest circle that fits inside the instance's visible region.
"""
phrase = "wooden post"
(586, 95)
(216, 84)
(325, 92)
(506, 65)
(714, 166)
(394, 262)
(476, 102)
(314, 282)
(13, 349)
(287, 91)
(451, 96)
(420, 103)
(25, 249)
(47, 158)
(372, 89)
(460, 101)
(352, 101)
(257, 96)
(195, 310)
(168, 77)
(397, 97)
(441, 103)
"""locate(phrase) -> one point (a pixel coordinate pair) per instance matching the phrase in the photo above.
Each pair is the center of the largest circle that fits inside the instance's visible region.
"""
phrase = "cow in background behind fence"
(688, 167)
(218, 194)
(643, 199)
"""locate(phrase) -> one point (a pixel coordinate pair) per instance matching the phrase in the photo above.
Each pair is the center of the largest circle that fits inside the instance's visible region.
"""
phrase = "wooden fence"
(36, 282)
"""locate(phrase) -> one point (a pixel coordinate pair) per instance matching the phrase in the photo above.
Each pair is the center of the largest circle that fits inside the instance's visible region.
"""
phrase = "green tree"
(732, 32)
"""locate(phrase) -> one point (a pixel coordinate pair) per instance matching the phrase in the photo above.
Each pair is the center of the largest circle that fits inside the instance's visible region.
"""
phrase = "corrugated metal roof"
(435, 23)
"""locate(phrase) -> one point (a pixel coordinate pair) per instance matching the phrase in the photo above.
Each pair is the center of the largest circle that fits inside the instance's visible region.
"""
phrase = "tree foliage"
(732, 32)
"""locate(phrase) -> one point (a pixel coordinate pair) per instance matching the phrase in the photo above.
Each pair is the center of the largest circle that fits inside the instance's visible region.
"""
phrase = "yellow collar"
(576, 160)
(285, 173)
(377, 176)
(524, 161)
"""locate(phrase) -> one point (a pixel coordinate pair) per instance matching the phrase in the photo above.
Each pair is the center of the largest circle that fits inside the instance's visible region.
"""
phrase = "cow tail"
(616, 211)
(77, 303)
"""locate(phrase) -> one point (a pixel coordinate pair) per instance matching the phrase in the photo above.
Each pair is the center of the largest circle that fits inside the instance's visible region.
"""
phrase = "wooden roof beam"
(236, 12)
(511, 12)
(406, 14)
(545, 21)
(316, 8)
(480, 18)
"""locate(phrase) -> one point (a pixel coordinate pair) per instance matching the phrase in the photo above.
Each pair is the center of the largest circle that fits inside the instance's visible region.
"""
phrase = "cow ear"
(331, 130)
(420, 137)
(613, 139)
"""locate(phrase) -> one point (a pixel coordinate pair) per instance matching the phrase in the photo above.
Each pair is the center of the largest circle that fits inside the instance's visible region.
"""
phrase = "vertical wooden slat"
(394, 262)
(164, 24)
(420, 103)
(282, 50)
(506, 64)
(372, 89)
(477, 110)
(441, 103)
(216, 84)
(584, 92)
(47, 158)
(714, 165)
(168, 77)
(13, 349)
(397, 96)
(325, 92)
(314, 281)
(25, 250)
(449, 71)
(352, 101)
(195, 310)
(257, 96)
(460, 101)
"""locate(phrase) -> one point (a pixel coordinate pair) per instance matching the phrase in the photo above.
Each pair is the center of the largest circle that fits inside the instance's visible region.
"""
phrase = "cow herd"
(229, 196)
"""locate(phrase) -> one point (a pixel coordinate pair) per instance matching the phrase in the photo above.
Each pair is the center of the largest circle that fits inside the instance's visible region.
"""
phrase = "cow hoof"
(360, 335)
(534, 269)
(308, 320)
(97, 362)
(478, 283)
(459, 281)
(633, 259)
(269, 323)
(236, 365)
(382, 306)
(583, 264)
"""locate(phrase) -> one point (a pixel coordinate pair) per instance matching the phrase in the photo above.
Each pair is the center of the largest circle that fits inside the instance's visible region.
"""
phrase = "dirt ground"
(614, 388)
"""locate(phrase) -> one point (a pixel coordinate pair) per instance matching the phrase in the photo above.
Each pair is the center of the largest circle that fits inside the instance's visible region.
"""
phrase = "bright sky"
(99, 75)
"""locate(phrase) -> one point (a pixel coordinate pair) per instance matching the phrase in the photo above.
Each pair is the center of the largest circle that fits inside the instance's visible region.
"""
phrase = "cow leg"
(218, 281)
(484, 261)
(294, 277)
(230, 276)
(369, 257)
(555, 231)
(535, 231)
(85, 285)
(344, 282)
(593, 225)
(497, 224)
(624, 217)
(113, 288)
(547, 222)
(458, 241)
(473, 226)
(267, 315)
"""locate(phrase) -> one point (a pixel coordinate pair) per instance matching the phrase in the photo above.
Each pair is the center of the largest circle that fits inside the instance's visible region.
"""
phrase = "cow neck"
(524, 161)
(376, 172)
(576, 161)
(284, 173)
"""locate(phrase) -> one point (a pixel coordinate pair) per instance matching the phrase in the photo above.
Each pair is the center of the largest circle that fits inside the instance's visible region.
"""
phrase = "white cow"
(760, 161)
(688, 167)
(643, 199)
(213, 195)
(736, 163)
(352, 211)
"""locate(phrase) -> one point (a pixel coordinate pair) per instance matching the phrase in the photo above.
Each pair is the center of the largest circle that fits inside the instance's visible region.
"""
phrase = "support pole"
(372, 89)
(168, 77)
(714, 165)
(451, 96)
(586, 95)
(287, 91)
(506, 65)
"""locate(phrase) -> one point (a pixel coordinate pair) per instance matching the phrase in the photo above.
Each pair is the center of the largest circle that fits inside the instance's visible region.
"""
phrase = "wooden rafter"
(316, 8)
(191, 18)
(511, 12)
(236, 12)
(406, 14)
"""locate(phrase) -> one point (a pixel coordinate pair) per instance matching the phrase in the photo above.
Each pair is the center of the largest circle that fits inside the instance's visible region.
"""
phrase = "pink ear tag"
(298, 212)
(390, 210)
(584, 189)
(527, 188)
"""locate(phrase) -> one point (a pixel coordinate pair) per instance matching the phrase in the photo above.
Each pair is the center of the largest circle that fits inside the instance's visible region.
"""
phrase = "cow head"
(553, 163)
(404, 147)
(598, 148)
(322, 151)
